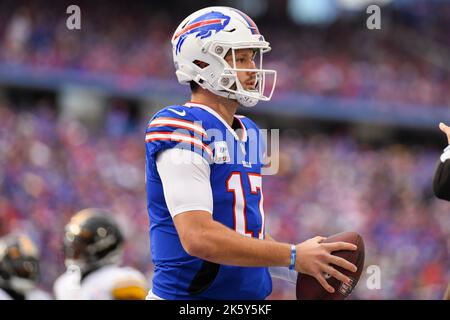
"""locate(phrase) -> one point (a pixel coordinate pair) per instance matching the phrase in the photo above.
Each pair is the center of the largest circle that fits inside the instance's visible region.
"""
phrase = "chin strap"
(246, 101)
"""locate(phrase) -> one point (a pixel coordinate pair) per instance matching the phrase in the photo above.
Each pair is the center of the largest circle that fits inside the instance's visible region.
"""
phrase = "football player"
(441, 180)
(203, 172)
(19, 269)
(93, 246)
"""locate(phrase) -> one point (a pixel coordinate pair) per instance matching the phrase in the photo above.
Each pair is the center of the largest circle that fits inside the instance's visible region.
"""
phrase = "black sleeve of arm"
(441, 180)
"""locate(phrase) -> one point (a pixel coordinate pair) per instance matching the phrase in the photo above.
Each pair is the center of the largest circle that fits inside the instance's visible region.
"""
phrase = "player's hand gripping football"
(314, 258)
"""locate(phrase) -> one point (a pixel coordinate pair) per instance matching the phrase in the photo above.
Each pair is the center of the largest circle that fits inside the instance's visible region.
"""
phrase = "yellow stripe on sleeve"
(129, 293)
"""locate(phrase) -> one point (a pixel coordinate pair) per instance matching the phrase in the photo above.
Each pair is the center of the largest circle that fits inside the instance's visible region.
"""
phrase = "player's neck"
(226, 108)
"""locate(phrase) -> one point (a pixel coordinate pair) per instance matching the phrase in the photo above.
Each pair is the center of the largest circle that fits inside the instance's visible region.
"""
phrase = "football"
(308, 288)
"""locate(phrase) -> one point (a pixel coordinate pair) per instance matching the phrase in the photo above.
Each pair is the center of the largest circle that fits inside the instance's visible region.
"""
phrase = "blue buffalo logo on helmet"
(203, 27)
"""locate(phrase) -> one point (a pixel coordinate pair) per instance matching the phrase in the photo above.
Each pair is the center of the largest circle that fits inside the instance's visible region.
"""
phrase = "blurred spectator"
(342, 60)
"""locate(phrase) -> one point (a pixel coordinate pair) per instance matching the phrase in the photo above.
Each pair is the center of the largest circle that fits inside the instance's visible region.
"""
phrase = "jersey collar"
(215, 114)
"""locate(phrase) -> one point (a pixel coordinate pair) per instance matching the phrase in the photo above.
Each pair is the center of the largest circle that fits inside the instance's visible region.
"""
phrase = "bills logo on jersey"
(221, 152)
(202, 27)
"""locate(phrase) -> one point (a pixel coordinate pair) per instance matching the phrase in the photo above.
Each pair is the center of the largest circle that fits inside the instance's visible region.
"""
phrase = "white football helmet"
(206, 36)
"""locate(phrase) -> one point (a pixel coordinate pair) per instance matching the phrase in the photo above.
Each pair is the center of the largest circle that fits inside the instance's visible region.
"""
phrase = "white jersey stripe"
(178, 137)
(173, 122)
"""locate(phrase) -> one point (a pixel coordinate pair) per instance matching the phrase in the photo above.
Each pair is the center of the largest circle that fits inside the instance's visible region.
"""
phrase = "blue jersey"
(235, 160)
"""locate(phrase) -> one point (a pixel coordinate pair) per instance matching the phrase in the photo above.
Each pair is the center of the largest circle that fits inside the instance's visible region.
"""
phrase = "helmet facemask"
(228, 84)
(91, 247)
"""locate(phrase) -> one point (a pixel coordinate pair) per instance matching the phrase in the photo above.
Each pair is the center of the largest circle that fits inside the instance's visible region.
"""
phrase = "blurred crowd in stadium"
(50, 169)
(345, 60)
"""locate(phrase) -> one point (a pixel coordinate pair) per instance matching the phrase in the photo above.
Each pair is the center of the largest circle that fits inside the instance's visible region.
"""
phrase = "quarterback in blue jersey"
(204, 173)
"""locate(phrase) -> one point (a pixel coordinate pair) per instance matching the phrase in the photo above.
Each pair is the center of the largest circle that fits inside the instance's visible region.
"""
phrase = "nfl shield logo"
(221, 152)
